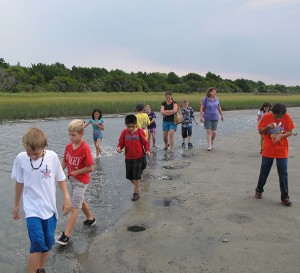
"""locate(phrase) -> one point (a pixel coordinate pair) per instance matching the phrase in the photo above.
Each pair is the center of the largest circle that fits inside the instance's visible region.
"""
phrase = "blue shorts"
(41, 233)
(169, 125)
(97, 135)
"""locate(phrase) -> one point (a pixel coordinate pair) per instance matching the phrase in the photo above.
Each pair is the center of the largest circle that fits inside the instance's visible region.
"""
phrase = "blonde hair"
(35, 139)
(184, 100)
(76, 125)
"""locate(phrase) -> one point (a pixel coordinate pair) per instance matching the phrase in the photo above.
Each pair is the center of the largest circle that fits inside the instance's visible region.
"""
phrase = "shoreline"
(196, 202)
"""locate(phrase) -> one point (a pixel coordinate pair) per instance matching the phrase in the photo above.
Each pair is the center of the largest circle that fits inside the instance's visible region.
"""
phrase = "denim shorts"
(77, 192)
(169, 125)
(41, 233)
(97, 135)
(211, 125)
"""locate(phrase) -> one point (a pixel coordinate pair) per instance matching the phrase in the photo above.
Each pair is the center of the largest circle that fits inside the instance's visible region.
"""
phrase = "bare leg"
(172, 139)
(209, 137)
(72, 221)
(36, 261)
(87, 211)
(136, 184)
(213, 136)
(154, 138)
(189, 139)
(165, 136)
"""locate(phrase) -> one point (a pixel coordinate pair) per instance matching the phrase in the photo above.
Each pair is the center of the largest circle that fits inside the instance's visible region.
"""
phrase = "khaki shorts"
(77, 192)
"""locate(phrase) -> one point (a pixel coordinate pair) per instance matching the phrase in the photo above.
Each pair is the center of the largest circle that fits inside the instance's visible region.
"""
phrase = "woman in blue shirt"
(210, 112)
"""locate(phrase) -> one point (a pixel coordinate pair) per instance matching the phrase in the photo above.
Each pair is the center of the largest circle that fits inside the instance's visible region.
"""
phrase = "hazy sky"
(254, 39)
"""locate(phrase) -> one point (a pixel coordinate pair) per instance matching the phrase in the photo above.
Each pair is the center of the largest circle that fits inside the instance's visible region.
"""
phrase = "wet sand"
(200, 201)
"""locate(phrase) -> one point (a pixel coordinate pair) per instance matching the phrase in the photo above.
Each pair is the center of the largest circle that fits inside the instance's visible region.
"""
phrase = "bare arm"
(83, 170)
(168, 112)
(67, 202)
(18, 193)
(201, 113)
(221, 113)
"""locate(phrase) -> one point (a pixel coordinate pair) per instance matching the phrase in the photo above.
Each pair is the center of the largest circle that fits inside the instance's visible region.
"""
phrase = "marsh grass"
(46, 105)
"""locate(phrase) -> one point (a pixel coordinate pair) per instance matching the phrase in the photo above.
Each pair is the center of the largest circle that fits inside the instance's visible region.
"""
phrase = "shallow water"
(108, 193)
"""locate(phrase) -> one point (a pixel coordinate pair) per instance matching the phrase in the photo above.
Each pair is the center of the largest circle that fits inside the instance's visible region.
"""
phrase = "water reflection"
(108, 193)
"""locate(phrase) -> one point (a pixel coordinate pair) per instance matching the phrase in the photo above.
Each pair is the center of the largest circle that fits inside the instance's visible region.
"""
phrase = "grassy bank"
(44, 105)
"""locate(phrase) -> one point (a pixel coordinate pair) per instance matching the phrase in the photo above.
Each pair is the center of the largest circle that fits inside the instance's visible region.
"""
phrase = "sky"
(254, 39)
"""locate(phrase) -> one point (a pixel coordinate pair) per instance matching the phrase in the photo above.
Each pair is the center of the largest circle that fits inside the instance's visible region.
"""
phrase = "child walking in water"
(152, 126)
(265, 108)
(36, 172)
(98, 126)
(136, 144)
(79, 161)
(143, 120)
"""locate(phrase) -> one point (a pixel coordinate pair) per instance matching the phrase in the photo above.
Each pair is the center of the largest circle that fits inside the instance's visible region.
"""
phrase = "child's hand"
(148, 153)
(196, 122)
(66, 207)
(271, 125)
(119, 150)
(278, 138)
(16, 215)
(201, 120)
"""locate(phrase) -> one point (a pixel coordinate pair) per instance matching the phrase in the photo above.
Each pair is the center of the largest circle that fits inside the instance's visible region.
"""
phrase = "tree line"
(58, 78)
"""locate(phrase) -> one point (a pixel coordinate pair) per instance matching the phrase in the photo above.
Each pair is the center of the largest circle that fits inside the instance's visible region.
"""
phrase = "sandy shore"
(209, 200)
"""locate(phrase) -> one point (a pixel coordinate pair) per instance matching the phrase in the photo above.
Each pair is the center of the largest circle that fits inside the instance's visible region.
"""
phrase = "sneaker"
(183, 145)
(209, 149)
(63, 239)
(190, 145)
(40, 271)
(258, 195)
(89, 223)
(286, 202)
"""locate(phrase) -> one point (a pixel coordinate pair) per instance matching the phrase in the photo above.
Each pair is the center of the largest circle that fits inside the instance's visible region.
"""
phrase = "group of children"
(37, 169)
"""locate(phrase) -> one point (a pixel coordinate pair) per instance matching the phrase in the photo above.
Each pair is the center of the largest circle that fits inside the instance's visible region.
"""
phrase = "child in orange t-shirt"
(276, 127)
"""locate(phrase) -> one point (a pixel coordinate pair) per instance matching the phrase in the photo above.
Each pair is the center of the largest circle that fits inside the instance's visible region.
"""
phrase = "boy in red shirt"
(80, 163)
(135, 143)
(276, 127)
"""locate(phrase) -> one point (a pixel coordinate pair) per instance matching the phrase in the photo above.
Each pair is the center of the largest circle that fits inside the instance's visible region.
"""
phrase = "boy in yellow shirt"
(143, 120)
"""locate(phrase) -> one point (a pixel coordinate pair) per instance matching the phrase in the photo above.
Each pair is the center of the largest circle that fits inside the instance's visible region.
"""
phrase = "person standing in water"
(168, 109)
(98, 126)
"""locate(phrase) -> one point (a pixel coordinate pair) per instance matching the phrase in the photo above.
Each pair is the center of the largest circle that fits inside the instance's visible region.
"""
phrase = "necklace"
(33, 168)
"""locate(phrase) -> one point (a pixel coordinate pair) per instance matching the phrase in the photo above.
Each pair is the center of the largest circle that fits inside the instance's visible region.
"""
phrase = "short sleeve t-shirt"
(78, 159)
(143, 122)
(168, 107)
(39, 194)
(95, 127)
(188, 115)
(280, 149)
(211, 108)
(152, 116)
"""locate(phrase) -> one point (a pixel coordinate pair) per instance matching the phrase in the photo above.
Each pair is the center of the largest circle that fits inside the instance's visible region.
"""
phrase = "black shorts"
(134, 168)
(185, 132)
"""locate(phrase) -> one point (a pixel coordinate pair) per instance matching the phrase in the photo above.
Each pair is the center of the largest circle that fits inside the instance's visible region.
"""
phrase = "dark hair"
(130, 119)
(139, 107)
(168, 93)
(279, 109)
(266, 104)
(94, 111)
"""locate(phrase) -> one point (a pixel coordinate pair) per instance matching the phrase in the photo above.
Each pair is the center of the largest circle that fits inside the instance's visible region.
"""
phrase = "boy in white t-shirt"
(36, 171)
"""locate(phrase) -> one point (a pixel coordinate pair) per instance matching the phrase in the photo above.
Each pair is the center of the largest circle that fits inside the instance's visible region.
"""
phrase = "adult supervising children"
(168, 109)
(36, 171)
(79, 161)
(276, 127)
(210, 112)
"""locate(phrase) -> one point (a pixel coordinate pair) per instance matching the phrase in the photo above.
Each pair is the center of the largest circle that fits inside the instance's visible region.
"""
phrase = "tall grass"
(45, 105)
